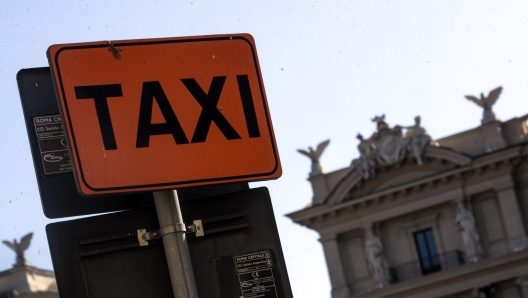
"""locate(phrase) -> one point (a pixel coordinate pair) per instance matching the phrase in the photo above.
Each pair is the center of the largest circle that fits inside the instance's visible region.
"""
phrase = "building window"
(426, 246)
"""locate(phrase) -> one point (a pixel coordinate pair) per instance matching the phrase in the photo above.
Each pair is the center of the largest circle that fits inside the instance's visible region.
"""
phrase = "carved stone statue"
(416, 138)
(486, 103)
(377, 263)
(389, 143)
(19, 249)
(365, 164)
(465, 222)
(388, 146)
(317, 169)
(380, 122)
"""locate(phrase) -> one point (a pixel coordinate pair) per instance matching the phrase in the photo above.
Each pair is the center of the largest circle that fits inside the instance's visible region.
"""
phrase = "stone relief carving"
(465, 222)
(314, 155)
(377, 263)
(388, 146)
(486, 103)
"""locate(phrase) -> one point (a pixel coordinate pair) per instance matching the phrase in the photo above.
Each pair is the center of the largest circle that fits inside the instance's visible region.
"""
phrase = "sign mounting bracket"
(143, 236)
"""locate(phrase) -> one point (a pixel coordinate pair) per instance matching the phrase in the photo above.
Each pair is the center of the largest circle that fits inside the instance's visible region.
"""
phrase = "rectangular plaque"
(52, 144)
(255, 275)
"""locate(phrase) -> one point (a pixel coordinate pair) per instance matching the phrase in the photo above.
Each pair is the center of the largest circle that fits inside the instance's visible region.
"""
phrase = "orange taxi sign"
(144, 115)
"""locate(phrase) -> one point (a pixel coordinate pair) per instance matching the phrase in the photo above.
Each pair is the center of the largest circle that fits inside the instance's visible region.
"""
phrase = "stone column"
(335, 267)
(513, 221)
(522, 283)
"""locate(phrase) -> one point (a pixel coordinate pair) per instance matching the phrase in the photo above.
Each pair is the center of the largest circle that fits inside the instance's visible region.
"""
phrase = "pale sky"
(328, 68)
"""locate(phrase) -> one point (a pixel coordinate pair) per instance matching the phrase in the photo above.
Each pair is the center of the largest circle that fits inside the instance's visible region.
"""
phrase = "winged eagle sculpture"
(314, 155)
(19, 249)
(486, 103)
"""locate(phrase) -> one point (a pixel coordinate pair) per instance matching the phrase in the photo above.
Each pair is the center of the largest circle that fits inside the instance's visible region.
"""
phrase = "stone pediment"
(435, 160)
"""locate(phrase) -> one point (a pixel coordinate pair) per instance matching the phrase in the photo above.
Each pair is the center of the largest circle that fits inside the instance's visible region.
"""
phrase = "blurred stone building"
(414, 217)
(24, 280)
(27, 282)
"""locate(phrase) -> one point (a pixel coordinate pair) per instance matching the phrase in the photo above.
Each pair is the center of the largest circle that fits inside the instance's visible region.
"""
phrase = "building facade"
(414, 217)
(28, 282)
(24, 280)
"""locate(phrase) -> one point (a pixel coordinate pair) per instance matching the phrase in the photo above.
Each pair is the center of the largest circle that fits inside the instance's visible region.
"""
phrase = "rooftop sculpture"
(388, 146)
(416, 139)
(367, 159)
(486, 103)
(19, 249)
(317, 168)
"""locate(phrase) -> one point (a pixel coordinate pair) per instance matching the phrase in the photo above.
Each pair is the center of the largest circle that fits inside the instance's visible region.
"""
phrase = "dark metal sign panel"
(56, 183)
(50, 155)
(240, 254)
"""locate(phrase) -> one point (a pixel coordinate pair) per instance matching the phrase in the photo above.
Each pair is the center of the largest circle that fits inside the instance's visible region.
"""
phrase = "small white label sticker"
(255, 275)
(52, 144)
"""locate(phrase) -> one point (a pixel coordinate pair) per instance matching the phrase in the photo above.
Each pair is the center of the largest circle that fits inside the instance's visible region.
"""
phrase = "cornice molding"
(486, 167)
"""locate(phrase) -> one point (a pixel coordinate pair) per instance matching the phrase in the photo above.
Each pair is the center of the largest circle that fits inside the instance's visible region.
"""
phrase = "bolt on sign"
(144, 115)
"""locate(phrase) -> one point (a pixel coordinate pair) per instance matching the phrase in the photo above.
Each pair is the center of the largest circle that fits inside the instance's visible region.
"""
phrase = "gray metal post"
(175, 244)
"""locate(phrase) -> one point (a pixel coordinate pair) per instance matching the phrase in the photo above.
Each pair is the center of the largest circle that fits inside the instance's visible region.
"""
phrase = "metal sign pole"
(175, 244)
